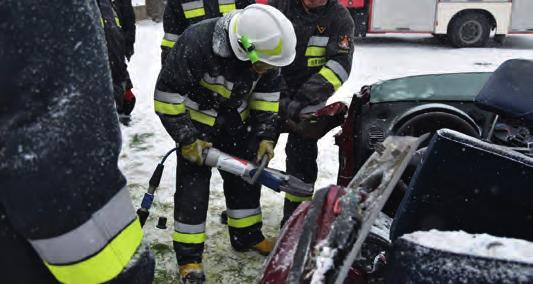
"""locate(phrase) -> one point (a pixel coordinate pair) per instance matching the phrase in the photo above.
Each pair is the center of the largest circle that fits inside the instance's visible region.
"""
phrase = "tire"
(410, 262)
(469, 30)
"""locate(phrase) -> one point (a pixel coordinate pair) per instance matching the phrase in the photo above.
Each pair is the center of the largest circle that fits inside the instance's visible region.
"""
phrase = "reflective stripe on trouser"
(97, 250)
(225, 6)
(192, 197)
(193, 9)
(301, 163)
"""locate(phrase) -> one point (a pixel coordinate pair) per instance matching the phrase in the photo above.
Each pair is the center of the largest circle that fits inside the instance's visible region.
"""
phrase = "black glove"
(129, 50)
(293, 109)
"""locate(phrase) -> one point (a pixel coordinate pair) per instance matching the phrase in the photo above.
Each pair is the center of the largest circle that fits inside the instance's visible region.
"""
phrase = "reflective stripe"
(117, 22)
(222, 2)
(219, 89)
(189, 229)
(166, 97)
(170, 109)
(107, 263)
(201, 117)
(241, 213)
(225, 8)
(316, 61)
(338, 69)
(90, 237)
(194, 13)
(294, 198)
(315, 51)
(271, 97)
(171, 37)
(189, 238)
(167, 43)
(318, 41)
(264, 106)
(245, 114)
(330, 77)
(313, 108)
(244, 222)
(192, 5)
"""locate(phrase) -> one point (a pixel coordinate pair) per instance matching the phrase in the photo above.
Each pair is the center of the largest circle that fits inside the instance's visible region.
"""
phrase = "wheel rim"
(470, 32)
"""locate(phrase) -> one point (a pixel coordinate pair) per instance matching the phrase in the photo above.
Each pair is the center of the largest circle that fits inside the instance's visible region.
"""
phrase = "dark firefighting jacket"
(180, 14)
(126, 17)
(203, 81)
(65, 212)
(324, 51)
(115, 48)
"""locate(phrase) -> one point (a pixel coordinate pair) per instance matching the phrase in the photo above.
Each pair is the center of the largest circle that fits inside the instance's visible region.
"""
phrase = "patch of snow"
(482, 245)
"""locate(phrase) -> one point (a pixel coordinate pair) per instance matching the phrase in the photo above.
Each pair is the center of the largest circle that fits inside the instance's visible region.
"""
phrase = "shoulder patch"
(320, 29)
(344, 42)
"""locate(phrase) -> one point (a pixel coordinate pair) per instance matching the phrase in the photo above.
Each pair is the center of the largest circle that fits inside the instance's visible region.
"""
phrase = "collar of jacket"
(221, 45)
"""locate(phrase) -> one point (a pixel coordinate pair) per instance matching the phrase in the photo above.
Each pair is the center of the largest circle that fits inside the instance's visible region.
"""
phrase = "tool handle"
(260, 169)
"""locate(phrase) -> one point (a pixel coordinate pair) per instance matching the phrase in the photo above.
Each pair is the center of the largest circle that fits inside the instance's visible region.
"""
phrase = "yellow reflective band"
(225, 8)
(219, 89)
(168, 43)
(331, 77)
(117, 21)
(194, 13)
(295, 198)
(245, 222)
(244, 114)
(202, 118)
(189, 238)
(316, 61)
(273, 52)
(264, 106)
(101, 21)
(107, 263)
(170, 109)
(315, 51)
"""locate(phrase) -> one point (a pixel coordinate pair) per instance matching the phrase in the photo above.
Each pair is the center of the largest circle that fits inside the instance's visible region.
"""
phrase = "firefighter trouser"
(192, 197)
(301, 163)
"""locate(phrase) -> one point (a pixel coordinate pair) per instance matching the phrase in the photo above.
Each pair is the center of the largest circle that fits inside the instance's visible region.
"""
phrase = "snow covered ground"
(145, 140)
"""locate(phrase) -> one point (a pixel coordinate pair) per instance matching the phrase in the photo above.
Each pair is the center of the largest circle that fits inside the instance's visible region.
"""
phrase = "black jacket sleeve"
(339, 52)
(176, 80)
(174, 23)
(127, 20)
(264, 105)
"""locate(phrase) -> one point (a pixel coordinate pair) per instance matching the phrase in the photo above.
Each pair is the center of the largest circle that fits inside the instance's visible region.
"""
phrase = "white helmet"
(262, 33)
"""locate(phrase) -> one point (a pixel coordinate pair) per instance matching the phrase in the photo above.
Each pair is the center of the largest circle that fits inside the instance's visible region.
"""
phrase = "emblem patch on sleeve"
(344, 42)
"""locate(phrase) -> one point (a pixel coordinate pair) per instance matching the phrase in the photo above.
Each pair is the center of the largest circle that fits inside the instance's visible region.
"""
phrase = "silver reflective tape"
(218, 80)
(189, 229)
(313, 108)
(241, 213)
(192, 5)
(318, 41)
(90, 237)
(269, 97)
(166, 97)
(338, 69)
(171, 37)
(223, 2)
(193, 105)
(243, 106)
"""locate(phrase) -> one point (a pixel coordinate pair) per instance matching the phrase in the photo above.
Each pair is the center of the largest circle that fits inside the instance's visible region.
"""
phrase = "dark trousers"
(301, 163)
(192, 197)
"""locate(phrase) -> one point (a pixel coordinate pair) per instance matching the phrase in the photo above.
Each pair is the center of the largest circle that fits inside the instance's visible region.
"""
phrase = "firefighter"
(65, 212)
(117, 53)
(220, 87)
(180, 14)
(126, 17)
(324, 31)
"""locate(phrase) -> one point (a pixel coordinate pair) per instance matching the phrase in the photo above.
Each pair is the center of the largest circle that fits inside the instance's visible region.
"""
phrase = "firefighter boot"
(265, 246)
(192, 273)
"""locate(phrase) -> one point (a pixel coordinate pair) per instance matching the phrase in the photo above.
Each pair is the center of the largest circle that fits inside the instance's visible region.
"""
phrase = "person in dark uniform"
(220, 87)
(180, 14)
(324, 31)
(119, 48)
(65, 211)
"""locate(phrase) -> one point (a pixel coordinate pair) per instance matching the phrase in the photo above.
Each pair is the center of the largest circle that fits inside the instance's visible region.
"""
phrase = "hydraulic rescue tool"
(251, 173)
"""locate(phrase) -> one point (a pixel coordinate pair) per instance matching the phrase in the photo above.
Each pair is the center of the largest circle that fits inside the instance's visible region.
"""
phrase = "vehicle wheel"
(411, 262)
(500, 38)
(469, 30)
